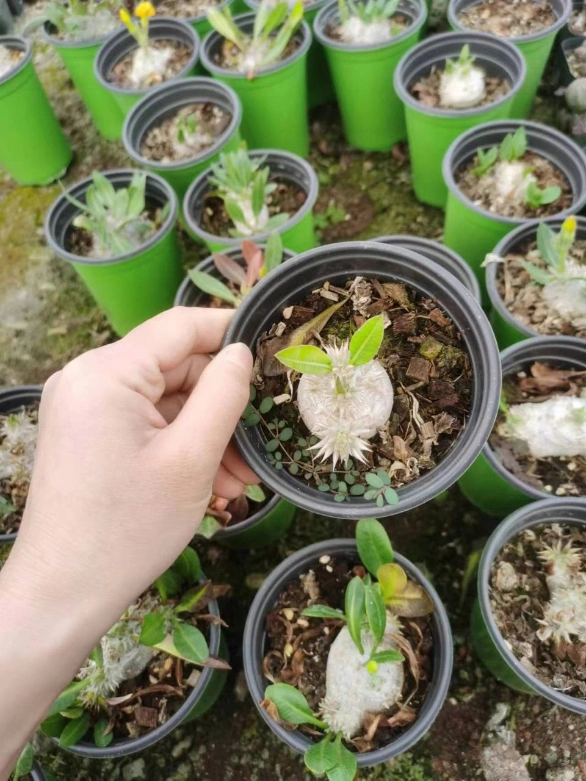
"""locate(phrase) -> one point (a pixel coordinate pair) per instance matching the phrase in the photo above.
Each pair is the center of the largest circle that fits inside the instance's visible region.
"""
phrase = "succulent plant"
(462, 84)
(369, 22)
(564, 617)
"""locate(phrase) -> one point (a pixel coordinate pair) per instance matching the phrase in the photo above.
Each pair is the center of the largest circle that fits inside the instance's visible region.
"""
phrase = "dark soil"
(523, 297)
(556, 476)
(427, 90)
(509, 18)
(230, 57)
(161, 142)
(181, 54)
(310, 640)
(185, 9)
(399, 23)
(520, 595)
(426, 360)
(15, 492)
(288, 198)
(481, 189)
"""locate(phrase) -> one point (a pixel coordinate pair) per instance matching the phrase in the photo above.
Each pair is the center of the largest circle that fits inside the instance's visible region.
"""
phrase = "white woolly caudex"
(552, 428)
(564, 617)
(344, 395)
(243, 185)
(511, 180)
(366, 672)
(367, 23)
(462, 84)
(148, 63)
(78, 20)
(18, 442)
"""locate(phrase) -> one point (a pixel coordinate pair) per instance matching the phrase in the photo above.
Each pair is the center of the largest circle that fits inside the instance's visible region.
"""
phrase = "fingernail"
(238, 354)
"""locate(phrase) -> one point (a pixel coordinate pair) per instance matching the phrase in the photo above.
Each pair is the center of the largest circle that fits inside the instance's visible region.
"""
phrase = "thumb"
(207, 421)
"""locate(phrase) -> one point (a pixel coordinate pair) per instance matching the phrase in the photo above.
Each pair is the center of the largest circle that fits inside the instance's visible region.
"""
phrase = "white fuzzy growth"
(564, 617)
(354, 30)
(148, 63)
(351, 691)
(553, 428)
(252, 223)
(192, 143)
(18, 442)
(463, 87)
(344, 420)
(7, 60)
(511, 181)
(252, 60)
(567, 296)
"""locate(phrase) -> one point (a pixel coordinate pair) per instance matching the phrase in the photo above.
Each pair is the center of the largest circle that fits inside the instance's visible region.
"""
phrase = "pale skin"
(133, 439)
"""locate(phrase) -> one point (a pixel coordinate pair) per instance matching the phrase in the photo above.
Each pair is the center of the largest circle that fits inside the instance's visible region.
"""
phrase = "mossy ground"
(46, 318)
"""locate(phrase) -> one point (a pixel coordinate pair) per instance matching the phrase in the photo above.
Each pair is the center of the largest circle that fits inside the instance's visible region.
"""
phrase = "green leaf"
(6, 507)
(392, 579)
(255, 493)
(384, 657)
(546, 244)
(373, 480)
(25, 762)
(345, 765)
(375, 611)
(223, 23)
(366, 342)
(266, 405)
(391, 496)
(188, 567)
(323, 611)
(53, 725)
(272, 445)
(193, 598)
(153, 629)
(537, 274)
(190, 643)
(75, 730)
(273, 252)
(374, 546)
(101, 737)
(292, 705)
(320, 758)
(354, 609)
(306, 359)
(209, 525)
(212, 286)
(67, 697)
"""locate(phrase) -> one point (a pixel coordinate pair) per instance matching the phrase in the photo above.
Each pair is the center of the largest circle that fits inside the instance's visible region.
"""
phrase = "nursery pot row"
(255, 647)
(337, 263)
(33, 148)
(487, 484)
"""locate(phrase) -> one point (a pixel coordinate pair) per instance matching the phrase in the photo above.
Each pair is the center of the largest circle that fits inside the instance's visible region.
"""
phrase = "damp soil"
(576, 60)
(80, 242)
(523, 297)
(185, 9)
(427, 362)
(230, 57)
(509, 18)
(287, 198)
(519, 599)
(119, 75)
(15, 491)
(558, 476)
(310, 640)
(482, 189)
(427, 89)
(399, 23)
(170, 142)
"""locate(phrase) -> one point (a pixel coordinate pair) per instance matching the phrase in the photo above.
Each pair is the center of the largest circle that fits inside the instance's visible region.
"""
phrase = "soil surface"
(15, 491)
(119, 75)
(230, 57)
(576, 60)
(173, 140)
(523, 297)
(509, 18)
(310, 640)
(482, 189)
(185, 9)
(287, 198)
(558, 476)
(427, 90)
(520, 598)
(427, 362)
(577, 23)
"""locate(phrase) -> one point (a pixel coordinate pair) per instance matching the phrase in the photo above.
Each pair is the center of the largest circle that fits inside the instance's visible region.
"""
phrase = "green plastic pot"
(128, 288)
(473, 231)
(490, 645)
(33, 148)
(535, 49)
(487, 484)
(431, 130)
(508, 330)
(274, 102)
(78, 59)
(372, 113)
(155, 107)
(263, 528)
(121, 43)
(297, 233)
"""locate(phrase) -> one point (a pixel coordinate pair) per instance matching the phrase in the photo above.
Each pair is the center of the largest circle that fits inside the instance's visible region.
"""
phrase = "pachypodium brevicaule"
(369, 22)
(18, 443)
(149, 63)
(462, 84)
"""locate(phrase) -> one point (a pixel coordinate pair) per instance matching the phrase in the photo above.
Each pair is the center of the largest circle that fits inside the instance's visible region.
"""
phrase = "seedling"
(365, 652)
(242, 280)
(512, 147)
(274, 27)
(462, 84)
(564, 617)
(187, 128)
(149, 63)
(368, 22)
(115, 218)
(78, 20)
(243, 185)
(536, 197)
(139, 29)
(344, 395)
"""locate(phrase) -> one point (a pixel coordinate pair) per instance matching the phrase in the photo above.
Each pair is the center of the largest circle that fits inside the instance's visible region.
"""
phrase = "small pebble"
(324, 559)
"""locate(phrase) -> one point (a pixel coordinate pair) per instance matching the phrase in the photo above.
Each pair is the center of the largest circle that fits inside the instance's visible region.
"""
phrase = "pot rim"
(20, 44)
(59, 44)
(560, 21)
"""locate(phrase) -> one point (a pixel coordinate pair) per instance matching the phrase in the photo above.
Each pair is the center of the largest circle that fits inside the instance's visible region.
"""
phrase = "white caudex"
(568, 296)
(512, 180)
(564, 617)
(18, 442)
(148, 64)
(356, 30)
(462, 84)
(553, 428)
(351, 690)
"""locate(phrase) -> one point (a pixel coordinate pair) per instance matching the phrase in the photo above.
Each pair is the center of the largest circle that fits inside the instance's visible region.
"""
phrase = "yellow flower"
(144, 10)
(570, 224)
(125, 16)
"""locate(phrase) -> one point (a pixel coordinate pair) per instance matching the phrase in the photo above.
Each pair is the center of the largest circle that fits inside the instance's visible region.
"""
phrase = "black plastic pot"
(190, 295)
(297, 233)
(488, 640)
(255, 647)
(338, 263)
(567, 47)
(443, 256)
(165, 101)
(37, 774)
(507, 328)
(12, 400)
(199, 701)
(121, 43)
(487, 484)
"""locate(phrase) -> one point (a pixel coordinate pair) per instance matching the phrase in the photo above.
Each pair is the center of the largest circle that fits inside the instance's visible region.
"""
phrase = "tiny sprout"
(512, 147)
(553, 249)
(536, 197)
(463, 63)
(187, 127)
(367, 22)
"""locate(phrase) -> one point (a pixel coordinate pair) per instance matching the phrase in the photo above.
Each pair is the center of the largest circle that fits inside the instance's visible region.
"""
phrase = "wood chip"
(329, 295)
(438, 317)
(404, 324)
(419, 369)
(146, 717)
